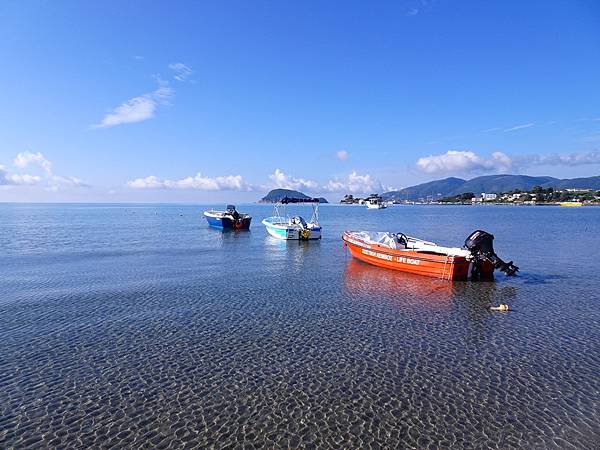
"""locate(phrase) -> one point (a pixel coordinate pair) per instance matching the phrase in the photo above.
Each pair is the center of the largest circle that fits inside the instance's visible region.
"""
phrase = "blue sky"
(217, 101)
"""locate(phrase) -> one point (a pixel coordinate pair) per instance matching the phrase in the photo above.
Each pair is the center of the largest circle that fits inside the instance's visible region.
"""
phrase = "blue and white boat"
(281, 226)
(228, 220)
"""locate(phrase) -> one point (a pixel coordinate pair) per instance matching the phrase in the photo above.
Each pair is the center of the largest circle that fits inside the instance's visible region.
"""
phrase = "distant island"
(497, 184)
(277, 194)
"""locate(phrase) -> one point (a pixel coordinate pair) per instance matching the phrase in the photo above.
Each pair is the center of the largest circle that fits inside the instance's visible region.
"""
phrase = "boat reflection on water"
(417, 294)
(219, 237)
(289, 257)
(226, 233)
(404, 289)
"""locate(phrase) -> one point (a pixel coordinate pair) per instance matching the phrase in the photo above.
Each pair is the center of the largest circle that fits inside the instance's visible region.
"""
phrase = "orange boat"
(397, 251)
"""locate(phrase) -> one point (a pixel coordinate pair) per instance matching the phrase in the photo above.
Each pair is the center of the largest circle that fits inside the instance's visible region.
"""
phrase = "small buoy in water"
(502, 307)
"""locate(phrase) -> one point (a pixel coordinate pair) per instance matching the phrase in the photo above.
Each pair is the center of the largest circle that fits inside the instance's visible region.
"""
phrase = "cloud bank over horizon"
(354, 183)
(465, 162)
(457, 161)
(34, 170)
(197, 182)
(47, 179)
(280, 180)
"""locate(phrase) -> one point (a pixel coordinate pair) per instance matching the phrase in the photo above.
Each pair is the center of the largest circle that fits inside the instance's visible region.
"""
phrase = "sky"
(197, 101)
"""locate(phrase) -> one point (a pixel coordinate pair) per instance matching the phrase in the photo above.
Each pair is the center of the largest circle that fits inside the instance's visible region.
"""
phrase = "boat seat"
(380, 238)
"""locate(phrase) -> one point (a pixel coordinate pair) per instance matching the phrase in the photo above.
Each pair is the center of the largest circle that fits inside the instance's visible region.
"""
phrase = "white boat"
(281, 226)
(376, 204)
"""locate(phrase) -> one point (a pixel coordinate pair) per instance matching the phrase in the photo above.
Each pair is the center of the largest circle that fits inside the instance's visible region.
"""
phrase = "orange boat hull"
(446, 267)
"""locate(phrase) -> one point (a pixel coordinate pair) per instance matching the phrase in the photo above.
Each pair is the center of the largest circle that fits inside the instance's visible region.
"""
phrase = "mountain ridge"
(488, 183)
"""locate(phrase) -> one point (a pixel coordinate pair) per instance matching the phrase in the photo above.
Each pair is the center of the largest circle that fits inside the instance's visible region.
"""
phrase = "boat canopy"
(287, 199)
(280, 210)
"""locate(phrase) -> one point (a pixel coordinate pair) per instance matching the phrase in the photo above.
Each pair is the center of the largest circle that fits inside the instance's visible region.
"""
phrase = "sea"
(138, 326)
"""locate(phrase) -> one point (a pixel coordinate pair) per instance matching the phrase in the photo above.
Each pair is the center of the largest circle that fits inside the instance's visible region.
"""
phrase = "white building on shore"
(488, 197)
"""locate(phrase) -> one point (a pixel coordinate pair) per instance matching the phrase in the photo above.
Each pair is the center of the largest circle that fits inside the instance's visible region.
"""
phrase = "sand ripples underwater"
(139, 327)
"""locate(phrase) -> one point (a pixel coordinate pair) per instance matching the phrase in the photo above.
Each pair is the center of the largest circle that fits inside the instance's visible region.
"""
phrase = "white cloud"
(283, 181)
(520, 127)
(24, 179)
(137, 109)
(150, 182)
(49, 180)
(4, 180)
(182, 72)
(468, 162)
(354, 183)
(568, 159)
(362, 183)
(14, 179)
(26, 158)
(198, 182)
(464, 161)
(60, 182)
(342, 155)
(226, 183)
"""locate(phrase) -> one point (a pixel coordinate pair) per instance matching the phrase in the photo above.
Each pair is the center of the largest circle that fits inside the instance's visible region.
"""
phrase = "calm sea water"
(137, 325)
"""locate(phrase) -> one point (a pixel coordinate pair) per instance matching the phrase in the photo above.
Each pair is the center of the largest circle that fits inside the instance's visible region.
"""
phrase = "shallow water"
(136, 325)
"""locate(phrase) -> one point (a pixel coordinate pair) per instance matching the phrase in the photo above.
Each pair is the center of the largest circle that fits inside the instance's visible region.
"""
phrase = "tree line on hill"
(452, 187)
(537, 194)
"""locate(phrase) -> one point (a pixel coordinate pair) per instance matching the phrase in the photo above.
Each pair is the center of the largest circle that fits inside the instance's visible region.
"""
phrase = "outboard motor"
(237, 217)
(480, 244)
(300, 221)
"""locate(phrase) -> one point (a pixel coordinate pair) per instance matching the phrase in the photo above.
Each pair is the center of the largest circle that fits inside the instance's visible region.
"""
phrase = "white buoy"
(502, 307)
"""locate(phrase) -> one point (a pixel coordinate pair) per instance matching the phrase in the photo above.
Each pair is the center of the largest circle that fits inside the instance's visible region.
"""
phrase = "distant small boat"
(230, 219)
(281, 226)
(375, 201)
(571, 204)
(376, 204)
(397, 251)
